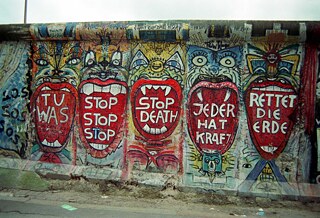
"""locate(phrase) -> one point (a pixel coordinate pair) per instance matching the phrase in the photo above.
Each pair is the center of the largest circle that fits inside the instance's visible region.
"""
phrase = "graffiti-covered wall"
(227, 106)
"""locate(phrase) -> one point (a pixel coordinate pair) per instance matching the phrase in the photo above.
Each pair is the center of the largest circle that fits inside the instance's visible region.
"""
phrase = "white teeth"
(65, 89)
(97, 88)
(163, 129)
(45, 88)
(99, 147)
(227, 95)
(157, 131)
(123, 90)
(273, 89)
(87, 88)
(146, 128)
(114, 89)
(106, 89)
(143, 90)
(199, 94)
(55, 144)
(156, 87)
(168, 89)
(269, 149)
(154, 131)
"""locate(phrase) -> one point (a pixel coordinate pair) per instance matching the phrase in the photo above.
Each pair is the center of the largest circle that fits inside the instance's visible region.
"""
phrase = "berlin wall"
(227, 106)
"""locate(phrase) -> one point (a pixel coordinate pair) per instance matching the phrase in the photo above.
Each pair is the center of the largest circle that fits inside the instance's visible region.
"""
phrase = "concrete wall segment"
(216, 105)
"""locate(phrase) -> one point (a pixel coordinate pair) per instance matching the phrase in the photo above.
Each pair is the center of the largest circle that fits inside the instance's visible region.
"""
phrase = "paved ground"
(25, 203)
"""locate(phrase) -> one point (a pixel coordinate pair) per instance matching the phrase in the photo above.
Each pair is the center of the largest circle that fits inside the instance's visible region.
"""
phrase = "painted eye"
(116, 58)
(90, 62)
(228, 61)
(200, 60)
(73, 61)
(139, 60)
(174, 64)
(207, 160)
(89, 59)
(216, 161)
(139, 63)
(259, 70)
(42, 62)
(283, 81)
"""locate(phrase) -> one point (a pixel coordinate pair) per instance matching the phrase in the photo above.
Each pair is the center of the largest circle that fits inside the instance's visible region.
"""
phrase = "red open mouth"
(213, 115)
(156, 107)
(271, 108)
(54, 107)
(102, 112)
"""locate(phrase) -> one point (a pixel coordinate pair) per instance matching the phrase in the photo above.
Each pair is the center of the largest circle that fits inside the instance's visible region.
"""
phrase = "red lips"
(102, 112)
(271, 111)
(54, 107)
(213, 115)
(156, 107)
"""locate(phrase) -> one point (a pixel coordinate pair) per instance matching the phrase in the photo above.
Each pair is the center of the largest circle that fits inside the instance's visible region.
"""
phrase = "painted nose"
(212, 166)
(104, 64)
(57, 72)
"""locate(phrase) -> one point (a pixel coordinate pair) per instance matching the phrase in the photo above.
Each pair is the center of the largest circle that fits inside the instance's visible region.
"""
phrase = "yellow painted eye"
(228, 61)
(199, 60)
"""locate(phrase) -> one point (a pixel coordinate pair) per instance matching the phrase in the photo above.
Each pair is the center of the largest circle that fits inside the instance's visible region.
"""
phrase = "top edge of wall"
(163, 30)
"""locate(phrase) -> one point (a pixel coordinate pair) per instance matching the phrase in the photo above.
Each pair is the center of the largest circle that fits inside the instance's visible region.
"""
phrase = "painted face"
(212, 162)
(55, 74)
(103, 99)
(271, 98)
(156, 94)
(213, 98)
(207, 65)
(56, 62)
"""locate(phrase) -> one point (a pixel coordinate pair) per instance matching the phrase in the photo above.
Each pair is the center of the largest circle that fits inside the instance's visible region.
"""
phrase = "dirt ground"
(202, 204)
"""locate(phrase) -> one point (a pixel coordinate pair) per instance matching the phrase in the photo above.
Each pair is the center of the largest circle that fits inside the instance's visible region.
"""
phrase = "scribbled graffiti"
(55, 73)
(212, 106)
(14, 95)
(156, 76)
(103, 94)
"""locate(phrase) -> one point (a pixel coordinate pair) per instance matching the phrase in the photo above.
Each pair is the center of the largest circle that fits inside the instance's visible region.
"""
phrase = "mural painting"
(271, 102)
(212, 110)
(209, 104)
(156, 80)
(14, 98)
(55, 79)
(103, 95)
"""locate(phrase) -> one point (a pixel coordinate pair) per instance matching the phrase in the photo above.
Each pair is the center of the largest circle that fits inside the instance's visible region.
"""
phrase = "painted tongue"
(54, 106)
(213, 115)
(156, 106)
(102, 109)
(271, 108)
